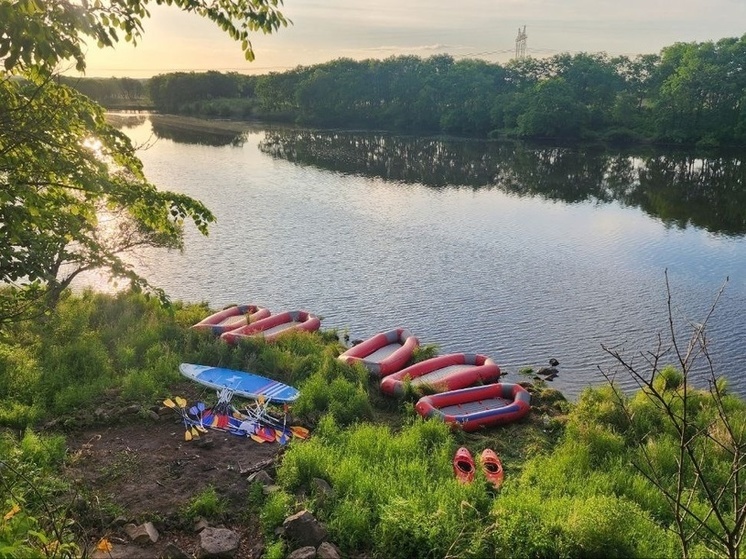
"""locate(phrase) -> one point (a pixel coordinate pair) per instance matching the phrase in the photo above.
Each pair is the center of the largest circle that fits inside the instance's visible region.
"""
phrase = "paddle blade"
(187, 435)
(300, 432)
(256, 438)
(266, 433)
(281, 437)
(181, 401)
(169, 403)
(195, 433)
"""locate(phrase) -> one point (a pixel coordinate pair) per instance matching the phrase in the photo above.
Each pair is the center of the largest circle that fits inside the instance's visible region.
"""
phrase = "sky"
(324, 30)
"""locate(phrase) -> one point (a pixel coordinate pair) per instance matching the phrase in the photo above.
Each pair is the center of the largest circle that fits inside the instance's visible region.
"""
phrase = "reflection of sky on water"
(521, 279)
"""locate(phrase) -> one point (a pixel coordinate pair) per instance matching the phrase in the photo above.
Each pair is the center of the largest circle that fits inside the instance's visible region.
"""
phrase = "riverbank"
(136, 467)
(377, 477)
(105, 435)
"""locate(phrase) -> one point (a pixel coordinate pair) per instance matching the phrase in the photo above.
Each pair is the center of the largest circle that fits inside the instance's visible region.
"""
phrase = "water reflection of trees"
(195, 131)
(679, 189)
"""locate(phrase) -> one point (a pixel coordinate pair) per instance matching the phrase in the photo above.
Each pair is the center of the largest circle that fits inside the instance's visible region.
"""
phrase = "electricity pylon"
(520, 43)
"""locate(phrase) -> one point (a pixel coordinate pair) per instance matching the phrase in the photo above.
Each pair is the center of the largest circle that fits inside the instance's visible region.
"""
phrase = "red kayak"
(492, 467)
(463, 465)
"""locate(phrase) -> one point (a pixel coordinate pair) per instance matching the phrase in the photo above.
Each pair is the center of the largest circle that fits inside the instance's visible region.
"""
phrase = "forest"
(689, 94)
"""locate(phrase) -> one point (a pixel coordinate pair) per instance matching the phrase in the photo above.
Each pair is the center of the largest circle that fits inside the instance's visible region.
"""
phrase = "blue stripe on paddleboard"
(242, 383)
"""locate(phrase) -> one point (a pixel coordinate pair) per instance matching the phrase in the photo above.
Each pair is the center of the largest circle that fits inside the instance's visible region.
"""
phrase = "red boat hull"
(273, 326)
(384, 353)
(477, 406)
(232, 318)
(445, 372)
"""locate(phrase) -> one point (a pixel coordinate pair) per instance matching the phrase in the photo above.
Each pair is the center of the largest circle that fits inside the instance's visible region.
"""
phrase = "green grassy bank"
(651, 474)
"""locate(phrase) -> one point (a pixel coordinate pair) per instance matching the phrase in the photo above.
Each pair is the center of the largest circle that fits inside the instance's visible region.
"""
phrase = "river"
(522, 253)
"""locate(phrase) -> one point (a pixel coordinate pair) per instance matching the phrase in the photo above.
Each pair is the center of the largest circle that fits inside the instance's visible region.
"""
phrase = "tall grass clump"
(207, 504)
(603, 491)
(530, 523)
(96, 342)
(90, 346)
(335, 388)
(394, 491)
(19, 376)
(34, 497)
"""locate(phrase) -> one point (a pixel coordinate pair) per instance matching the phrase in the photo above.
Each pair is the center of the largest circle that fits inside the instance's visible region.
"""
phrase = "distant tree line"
(690, 93)
(113, 93)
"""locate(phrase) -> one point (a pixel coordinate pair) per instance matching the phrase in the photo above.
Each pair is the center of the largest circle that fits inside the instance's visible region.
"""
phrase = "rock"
(205, 442)
(119, 521)
(303, 529)
(306, 552)
(262, 477)
(218, 543)
(145, 533)
(200, 524)
(172, 551)
(552, 396)
(153, 415)
(100, 413)
(328, 550)
(549, 373)
(322, 487)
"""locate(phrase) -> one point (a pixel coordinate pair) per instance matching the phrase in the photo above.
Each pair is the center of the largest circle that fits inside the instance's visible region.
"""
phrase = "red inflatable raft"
(231, 318)
(274, 325)
(384, 353)
(445, 372)
(477, 406)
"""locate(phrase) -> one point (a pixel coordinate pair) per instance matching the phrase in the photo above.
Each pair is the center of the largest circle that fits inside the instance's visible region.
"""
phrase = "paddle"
(266, 433)
(197, 411)
(281, 436)
(299, 432)
(190, 433)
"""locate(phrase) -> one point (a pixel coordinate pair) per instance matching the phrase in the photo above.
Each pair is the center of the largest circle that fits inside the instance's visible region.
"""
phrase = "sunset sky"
(324, 30)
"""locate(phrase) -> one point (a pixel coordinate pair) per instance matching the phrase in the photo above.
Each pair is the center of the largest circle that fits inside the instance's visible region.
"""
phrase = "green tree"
(73, 196)
(701, 97)
(553, 111)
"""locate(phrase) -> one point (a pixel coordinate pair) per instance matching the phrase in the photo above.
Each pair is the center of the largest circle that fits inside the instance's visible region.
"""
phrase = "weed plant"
(206, 504)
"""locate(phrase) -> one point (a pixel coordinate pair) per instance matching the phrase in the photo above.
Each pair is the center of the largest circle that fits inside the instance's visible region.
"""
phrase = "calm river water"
(520, 253)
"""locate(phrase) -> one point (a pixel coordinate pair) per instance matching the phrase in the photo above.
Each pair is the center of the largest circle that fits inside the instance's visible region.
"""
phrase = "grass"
(570, 488)
(206, 504)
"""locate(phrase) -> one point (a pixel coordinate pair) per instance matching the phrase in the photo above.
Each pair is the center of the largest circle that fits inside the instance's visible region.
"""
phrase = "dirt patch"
(145, 471)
